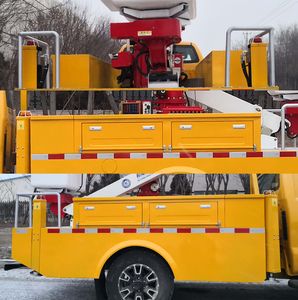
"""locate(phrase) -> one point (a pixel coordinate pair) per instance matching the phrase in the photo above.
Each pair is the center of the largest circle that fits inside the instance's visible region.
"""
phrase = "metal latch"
(239, 126)
(131, 207)
(89, 207)
(95, 128)
(185, 127)
(149, 127)
(161, 206)
(204, 206)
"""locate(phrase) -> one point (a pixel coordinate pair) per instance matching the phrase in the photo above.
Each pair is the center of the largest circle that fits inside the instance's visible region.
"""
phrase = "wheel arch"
(106, 260)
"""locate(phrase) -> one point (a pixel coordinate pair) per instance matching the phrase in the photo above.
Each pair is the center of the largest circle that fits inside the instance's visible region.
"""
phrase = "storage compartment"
(109, 214)
(124, 136)
(205, 134)
(202, 213)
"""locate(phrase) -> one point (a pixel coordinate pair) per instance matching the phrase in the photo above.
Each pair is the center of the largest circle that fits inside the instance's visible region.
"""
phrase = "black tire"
(100, 287)
(132, 273)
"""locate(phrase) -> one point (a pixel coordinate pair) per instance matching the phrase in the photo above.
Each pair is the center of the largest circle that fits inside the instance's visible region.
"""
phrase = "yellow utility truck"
(135, 247)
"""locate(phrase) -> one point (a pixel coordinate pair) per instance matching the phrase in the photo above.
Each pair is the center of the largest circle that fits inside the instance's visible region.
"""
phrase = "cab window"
(188, 52)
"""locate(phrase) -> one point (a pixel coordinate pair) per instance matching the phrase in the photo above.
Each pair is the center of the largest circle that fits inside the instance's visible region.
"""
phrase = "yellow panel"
(244, 211)
(184, 213)
(3, 128)
(214, 135)
(259, 63)
(272, 235)
(30, 67)
(122, 136)
(22, 245)
(52, 134)
(84, 71)
(112, 214)
(23, 158)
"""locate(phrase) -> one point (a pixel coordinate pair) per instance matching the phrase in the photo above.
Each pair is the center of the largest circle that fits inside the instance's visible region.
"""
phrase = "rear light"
(257, 40)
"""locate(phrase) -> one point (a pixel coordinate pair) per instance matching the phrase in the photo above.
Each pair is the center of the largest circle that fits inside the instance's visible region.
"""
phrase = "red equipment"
(52, 200)
(292, 116)
(149, 58)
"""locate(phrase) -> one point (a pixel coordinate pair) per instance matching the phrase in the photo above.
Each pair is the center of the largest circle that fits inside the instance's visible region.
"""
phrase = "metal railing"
(30, 34)
(265, 31)
(29, 196)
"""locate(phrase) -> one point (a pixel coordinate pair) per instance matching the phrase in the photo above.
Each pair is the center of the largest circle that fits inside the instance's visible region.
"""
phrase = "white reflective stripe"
(143, 230)
(237, 154)
(170, 230)
(198, 230)
(65, 230)
(116, 230)
(21, 230)
(40, 157)
(257, 230)
(91, 230)
(138, 155)
(204, 155)
(227, 230)
(271, 154)
(72, 156)
(105, 156)
(171, 155)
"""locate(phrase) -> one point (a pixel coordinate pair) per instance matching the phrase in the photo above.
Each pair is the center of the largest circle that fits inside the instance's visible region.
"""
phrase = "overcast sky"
(215, 16)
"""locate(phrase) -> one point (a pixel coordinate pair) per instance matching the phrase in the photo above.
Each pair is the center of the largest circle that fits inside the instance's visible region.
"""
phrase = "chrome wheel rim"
(138, 282)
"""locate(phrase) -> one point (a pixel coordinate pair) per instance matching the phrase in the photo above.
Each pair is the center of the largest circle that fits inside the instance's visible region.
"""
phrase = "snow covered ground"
(20, 285)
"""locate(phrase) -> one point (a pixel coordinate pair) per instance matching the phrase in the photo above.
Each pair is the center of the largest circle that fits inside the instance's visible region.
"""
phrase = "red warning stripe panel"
(89, 156)
(288, 154)
(212, 230)
(104, 230)
(183, 230)
(221, 155)
(254, 154)
(121, 155)
(154, 155)
(53, 230)
(188, 155)
(156, 230)
(78, 230)
(129, 230)
(56, 156)
(242, 230)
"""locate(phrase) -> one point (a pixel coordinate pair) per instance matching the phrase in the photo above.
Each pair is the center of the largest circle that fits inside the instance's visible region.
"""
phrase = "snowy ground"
(20, 285)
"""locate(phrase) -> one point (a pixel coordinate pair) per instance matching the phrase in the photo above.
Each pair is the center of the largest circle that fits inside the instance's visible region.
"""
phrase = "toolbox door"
(123, 136)
(204, 213)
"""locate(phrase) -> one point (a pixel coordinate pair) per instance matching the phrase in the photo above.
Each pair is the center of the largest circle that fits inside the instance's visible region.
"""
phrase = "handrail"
(23, 35)
(29, 196)
(266, 30)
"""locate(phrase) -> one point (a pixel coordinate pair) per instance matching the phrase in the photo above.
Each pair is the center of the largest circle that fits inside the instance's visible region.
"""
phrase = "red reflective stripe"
(55, 156)
(156, 230)
(188, 155)
(78, 230)
(52, 230)
(154, 155)
(212, 230)
(103, 230)
(122, 155)
(288, 154)
(241, 230)
(129, 230)
(254, 154)
(89, 156)
(221, 155)
(183, 230)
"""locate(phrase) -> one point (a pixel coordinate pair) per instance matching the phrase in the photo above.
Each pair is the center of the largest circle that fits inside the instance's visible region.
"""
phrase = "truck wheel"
(100, 288)
(139, 275)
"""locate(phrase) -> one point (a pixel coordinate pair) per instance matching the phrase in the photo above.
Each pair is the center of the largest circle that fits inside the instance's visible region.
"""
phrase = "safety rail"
(29, 196)
(265, 31)
(30, 34)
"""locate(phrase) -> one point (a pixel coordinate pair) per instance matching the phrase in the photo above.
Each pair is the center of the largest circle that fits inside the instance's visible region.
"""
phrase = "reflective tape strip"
(165, 155)
(168, 230)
